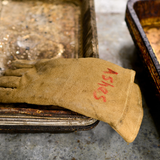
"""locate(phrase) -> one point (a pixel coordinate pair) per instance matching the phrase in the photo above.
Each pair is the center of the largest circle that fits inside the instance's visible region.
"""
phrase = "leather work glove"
(89, 86)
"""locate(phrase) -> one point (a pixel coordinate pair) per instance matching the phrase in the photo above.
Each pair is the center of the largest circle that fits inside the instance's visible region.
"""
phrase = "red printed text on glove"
(107, 81)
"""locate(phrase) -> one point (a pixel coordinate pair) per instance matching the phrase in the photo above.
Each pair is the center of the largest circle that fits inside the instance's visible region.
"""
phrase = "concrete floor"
(102, 142)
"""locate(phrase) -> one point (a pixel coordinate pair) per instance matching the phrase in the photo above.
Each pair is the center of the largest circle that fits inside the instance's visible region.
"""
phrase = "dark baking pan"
(37, 29)
(143, 21)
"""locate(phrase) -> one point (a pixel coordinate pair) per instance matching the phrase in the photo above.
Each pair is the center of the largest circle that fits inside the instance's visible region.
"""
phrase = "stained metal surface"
(39, 29)
(39, 112)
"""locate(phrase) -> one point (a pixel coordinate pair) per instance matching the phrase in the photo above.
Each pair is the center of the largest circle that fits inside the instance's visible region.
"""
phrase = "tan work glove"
(92, 87)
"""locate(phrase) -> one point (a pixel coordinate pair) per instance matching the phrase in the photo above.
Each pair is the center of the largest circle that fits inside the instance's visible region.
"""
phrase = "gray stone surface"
(102, 142)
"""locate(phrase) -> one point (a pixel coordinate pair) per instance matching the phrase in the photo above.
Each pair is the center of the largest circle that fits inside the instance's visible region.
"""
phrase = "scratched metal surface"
(102, 142)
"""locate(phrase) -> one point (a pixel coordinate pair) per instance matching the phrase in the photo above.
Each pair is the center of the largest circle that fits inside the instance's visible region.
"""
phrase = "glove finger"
(23, 63)
(16, 72)
(9, 81)
(6, 95)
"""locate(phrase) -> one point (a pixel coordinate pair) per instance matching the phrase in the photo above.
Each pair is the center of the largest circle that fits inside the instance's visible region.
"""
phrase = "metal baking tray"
(143, 21)
(38, 29)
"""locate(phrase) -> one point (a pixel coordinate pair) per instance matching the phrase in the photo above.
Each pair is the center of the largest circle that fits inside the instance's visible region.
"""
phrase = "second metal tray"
(143, 21)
